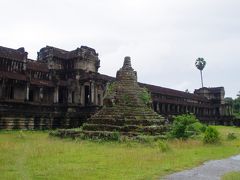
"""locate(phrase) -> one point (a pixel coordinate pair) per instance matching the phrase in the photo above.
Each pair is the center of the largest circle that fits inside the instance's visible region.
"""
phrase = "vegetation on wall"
(145, 96)
(111, 87)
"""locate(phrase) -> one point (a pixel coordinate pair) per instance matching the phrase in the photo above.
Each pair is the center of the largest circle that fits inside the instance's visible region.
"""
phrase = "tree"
(236, 104)
(238, 95)
(200, 64)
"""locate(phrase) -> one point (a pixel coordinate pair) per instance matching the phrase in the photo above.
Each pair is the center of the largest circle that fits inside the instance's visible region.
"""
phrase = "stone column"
(56, 94)
(27, 92)
(82, 94)
(168, 108)
(3, 89)
(41, 94)
(157, 106)
(95, 95)
(70, 96)
(78, 93)
(92, 89)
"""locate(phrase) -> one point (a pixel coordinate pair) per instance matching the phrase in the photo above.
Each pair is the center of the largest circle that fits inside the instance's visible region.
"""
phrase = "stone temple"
(125, 110)
(62, 89)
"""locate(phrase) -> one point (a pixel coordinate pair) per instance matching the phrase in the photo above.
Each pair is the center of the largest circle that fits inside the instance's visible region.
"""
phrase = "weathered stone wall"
(32, 116)
(19, 92)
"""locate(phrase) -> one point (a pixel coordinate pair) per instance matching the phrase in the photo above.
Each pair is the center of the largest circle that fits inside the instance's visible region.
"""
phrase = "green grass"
(231, 176)
(35, 155)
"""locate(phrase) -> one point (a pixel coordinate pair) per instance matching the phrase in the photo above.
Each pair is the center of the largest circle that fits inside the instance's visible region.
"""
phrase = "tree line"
(235, 104)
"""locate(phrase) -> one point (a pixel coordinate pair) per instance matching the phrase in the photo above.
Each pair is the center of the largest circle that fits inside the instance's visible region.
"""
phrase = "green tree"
(229, 100)
(236, 105)
(200, 64)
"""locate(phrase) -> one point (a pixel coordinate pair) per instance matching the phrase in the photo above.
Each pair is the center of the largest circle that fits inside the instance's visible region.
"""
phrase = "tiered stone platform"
(125, 109)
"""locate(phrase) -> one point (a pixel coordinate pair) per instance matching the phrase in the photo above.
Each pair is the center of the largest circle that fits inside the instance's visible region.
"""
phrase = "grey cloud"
(163, 37)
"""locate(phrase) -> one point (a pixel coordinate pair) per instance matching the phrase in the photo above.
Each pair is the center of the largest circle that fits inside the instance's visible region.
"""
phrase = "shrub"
(145, 96)
(163, 146)
(111, 88)
(145, 139)
(21, 134)
(185, 126)
(195, 128)
(231, 136)
(211, 136)
(115, 136)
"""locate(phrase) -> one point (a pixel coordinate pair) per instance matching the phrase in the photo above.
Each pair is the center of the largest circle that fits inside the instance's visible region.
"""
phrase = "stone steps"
(107, 134)
(155, 129)
(112, 121)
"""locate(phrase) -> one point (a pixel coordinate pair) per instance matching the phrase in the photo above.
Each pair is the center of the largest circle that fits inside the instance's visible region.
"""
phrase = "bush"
(115, 136)
(196, 128)
(231, 136)
(163, 146)
(145, 139)
(211, 136)
(185, 126)
(145, 96)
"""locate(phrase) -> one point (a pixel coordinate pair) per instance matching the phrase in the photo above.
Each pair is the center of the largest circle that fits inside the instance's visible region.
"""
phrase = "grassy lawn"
(231, 176)
(35, 155)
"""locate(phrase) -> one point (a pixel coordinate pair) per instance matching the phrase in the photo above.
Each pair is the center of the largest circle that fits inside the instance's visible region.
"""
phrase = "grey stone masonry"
(124, 109)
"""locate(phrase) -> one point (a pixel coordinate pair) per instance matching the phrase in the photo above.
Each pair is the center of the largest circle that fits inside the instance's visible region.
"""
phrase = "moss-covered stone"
(126, 109)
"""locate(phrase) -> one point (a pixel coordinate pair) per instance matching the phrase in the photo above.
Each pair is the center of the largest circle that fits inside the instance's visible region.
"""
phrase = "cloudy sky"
(163, 37)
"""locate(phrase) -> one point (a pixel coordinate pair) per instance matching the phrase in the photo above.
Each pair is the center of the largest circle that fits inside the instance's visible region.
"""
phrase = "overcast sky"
(163, 37)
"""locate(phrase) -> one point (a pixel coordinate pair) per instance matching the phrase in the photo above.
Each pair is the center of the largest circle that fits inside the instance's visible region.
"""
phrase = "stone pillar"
(82, 94)
(158, 107)
(70, 96)
(95, 95)
(78, 93)
(92, 89)
(3, 89)
(41, 93)
(168, 108)
(27, 92)
(56, 98)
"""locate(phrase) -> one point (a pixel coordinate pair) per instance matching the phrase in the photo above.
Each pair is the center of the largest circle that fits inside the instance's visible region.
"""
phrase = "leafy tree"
(228, 100)
(236, 104)
(200, 64)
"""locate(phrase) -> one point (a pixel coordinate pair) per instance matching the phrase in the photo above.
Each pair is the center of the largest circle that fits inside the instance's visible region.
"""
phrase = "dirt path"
(210, 170)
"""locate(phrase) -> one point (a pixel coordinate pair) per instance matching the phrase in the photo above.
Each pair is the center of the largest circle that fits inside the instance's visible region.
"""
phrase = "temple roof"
(37, 66)
(172, 92)
(14, 54)
(163, 90)
(63, 54)
(13, 75)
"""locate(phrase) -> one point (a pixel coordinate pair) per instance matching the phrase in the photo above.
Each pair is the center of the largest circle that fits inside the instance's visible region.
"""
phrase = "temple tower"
(125, 110)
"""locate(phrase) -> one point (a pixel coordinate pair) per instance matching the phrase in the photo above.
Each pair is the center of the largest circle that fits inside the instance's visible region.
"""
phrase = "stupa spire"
(127, 62)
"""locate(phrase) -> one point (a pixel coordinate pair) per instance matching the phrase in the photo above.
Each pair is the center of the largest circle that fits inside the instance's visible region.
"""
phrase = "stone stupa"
(125, 109)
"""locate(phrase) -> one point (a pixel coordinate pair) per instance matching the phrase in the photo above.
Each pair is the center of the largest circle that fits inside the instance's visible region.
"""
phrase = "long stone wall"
(30, 116)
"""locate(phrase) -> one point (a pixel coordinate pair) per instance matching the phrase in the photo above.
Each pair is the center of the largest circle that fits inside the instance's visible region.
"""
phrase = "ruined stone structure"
(60, 89)
(63, 88)
(206, 103)
(124, 110)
